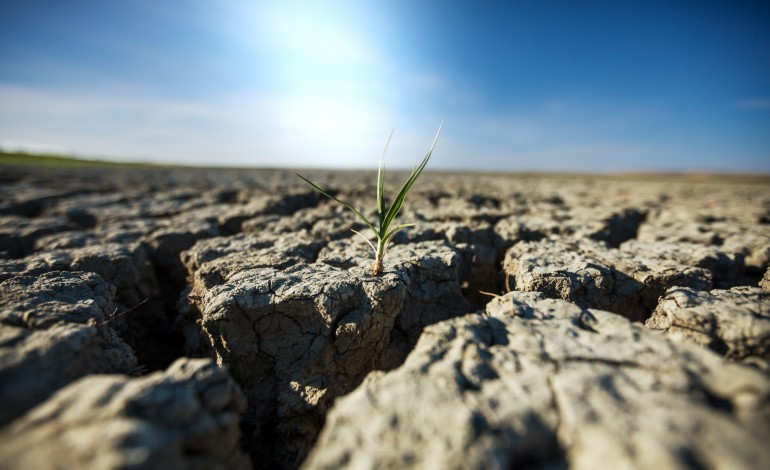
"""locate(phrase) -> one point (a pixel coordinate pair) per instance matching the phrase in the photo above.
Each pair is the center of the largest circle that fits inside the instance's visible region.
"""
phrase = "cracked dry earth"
(227, 319)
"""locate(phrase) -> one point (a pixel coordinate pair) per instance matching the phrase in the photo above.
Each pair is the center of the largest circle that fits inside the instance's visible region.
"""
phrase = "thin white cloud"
(234, 129)
(289, 131)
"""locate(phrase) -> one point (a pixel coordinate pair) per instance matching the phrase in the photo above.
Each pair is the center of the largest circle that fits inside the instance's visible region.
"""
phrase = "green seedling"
(385, 229)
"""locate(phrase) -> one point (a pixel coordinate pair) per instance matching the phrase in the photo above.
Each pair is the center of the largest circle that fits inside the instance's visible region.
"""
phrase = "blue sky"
(555, 86)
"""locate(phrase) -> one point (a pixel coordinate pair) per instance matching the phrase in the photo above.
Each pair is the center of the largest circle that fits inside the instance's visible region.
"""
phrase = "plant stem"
(378, 256)
(377, 267)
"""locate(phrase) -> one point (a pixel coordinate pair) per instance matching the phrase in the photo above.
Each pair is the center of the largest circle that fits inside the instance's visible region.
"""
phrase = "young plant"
(385, 229)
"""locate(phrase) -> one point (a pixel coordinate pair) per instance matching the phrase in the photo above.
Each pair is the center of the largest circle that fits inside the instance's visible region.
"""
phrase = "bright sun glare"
(322, 58)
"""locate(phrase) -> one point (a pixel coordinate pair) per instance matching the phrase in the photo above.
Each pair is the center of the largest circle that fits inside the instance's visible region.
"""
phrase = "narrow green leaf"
(389, 237)
(365, 239)
(346, 204)
(395, 207)
(381, 184)
(396, 229)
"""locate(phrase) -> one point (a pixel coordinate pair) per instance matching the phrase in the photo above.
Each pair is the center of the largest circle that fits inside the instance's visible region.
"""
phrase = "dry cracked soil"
(172, 318)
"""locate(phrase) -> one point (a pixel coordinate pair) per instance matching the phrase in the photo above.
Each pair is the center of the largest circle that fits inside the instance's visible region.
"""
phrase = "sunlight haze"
(544, 86)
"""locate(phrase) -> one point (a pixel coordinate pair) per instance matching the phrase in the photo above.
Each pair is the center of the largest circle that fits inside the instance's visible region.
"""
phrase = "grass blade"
(346, 204)
(381, 184)
(396, 229)
(366, 240)
(395, 207)
(389, 237)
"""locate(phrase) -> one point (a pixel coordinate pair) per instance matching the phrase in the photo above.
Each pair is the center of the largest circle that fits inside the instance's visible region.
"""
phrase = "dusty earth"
(227, 319)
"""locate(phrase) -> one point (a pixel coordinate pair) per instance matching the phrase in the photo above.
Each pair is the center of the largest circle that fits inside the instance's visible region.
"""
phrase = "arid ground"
(194, 318)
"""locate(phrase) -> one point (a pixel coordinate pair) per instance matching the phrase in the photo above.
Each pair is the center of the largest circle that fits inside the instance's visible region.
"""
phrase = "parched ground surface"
(228, 319)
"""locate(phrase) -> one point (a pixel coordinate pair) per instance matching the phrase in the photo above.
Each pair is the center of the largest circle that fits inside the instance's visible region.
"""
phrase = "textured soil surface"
(170, 318)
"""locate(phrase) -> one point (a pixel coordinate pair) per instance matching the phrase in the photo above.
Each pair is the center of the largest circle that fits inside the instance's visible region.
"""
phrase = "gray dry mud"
(227, 319)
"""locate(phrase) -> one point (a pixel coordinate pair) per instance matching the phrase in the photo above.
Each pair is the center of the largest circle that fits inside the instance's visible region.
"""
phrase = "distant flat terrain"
(44, 160)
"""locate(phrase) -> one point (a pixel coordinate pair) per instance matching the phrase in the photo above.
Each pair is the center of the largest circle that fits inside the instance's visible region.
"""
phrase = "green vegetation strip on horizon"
(42, 160)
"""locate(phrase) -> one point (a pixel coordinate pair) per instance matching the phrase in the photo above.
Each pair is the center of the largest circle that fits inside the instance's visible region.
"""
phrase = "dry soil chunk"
(591, 274)
(434, 272)
(127, 267)
(123, 232)
(211, 262)
(52, 332)
(733, 322)
(605, 223)
(542, 382)
(751, 240)
(141, 321)
(726, 268)
(295, 339)
(185, 417)
(298, 334)
(18, 234)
